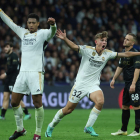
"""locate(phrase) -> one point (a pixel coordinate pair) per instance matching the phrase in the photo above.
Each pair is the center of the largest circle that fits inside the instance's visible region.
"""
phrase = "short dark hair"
(33, 15)
(9, 43)
(101, 35)
(134, 36)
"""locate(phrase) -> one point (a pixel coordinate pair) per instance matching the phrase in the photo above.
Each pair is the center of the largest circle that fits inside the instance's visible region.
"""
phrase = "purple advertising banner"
(57, 97)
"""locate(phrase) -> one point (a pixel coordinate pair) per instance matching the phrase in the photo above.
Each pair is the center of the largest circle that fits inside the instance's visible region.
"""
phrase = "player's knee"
(37, 104)
(100, 102)
(136, 105)
(124, 107)
(14, 103)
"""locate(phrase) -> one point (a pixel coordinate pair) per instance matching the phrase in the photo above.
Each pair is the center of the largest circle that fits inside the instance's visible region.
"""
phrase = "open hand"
(60, 34)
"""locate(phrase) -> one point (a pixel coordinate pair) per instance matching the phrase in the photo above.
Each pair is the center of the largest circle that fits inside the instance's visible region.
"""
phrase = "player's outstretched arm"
(62, 36)
(7, 20)
(117, 73)
(128, 54)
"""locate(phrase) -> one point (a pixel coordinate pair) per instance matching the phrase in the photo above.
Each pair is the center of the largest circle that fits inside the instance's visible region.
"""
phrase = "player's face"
(128, 41)
(32, 24)
(101, 43)
(7, 49)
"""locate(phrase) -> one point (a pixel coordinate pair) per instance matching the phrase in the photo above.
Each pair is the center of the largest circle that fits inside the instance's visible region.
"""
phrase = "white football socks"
(92, 117)
(57, 118)
(39, 117)
(18, 113)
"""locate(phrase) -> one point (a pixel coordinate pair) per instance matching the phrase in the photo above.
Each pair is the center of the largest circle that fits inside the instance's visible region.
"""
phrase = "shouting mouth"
(103, 47)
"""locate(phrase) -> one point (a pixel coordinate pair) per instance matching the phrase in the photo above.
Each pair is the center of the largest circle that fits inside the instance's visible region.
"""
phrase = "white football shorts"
(77, 94)
(29, 82)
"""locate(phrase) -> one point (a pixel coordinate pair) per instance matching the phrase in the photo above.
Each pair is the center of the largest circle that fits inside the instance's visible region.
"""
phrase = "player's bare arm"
(135, 79)
(62, 36)
(128, 54)
(117, 73)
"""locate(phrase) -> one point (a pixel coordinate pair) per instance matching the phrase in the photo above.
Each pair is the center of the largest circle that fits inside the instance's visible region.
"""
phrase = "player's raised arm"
(62, 36)
(128, 54)
(48, 34)
(7, 20)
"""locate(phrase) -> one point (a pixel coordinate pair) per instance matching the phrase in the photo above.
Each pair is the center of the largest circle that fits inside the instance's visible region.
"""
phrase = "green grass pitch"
(71, 127)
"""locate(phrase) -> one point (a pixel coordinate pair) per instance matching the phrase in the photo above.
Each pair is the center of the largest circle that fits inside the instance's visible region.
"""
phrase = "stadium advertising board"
(57, 97)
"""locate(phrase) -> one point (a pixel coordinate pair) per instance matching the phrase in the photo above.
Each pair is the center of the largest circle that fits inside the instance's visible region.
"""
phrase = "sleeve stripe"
(7, 16)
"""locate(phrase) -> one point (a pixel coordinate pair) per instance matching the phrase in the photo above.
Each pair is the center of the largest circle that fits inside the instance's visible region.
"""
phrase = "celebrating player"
(131, 94)
(31, 75)
(88, 79)
(10, 75)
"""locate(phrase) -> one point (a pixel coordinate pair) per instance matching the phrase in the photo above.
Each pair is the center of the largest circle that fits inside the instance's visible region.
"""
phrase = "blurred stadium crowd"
(82, 19)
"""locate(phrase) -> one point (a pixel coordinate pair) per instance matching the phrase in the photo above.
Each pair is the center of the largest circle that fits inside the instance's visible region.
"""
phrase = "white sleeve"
(82, 49)
(112, 55)
(49, 33)
(17, 29)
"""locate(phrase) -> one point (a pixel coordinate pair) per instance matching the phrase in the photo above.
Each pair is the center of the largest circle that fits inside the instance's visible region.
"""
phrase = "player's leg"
(25, 110)
(125, 117)
(125, 114)
(62, 112)
(6, 96)
(137, 121)
(19, 90)
(136, 106)
(35, 82)
(74, 98)
(98, 98)
(18, 113)
(39, 114)
(58, 117)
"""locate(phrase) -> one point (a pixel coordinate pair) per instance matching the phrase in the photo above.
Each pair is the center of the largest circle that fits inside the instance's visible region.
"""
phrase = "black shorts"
(9, 84)
(131, 99)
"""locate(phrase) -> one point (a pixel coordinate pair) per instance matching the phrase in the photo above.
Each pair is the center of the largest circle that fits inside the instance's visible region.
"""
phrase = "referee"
(10, 77)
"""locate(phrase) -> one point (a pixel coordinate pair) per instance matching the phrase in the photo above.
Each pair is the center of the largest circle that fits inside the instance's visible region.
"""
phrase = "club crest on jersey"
(26, 33)
(103, 58)
(93, 53)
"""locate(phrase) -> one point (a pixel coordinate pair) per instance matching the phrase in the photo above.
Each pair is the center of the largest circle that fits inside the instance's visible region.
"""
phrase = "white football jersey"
(91, 66)
(32, 46)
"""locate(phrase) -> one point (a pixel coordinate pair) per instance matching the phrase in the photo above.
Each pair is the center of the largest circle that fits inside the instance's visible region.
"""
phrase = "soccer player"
(88, 79)
(31, 75)
(131, 93)
(10, 75)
